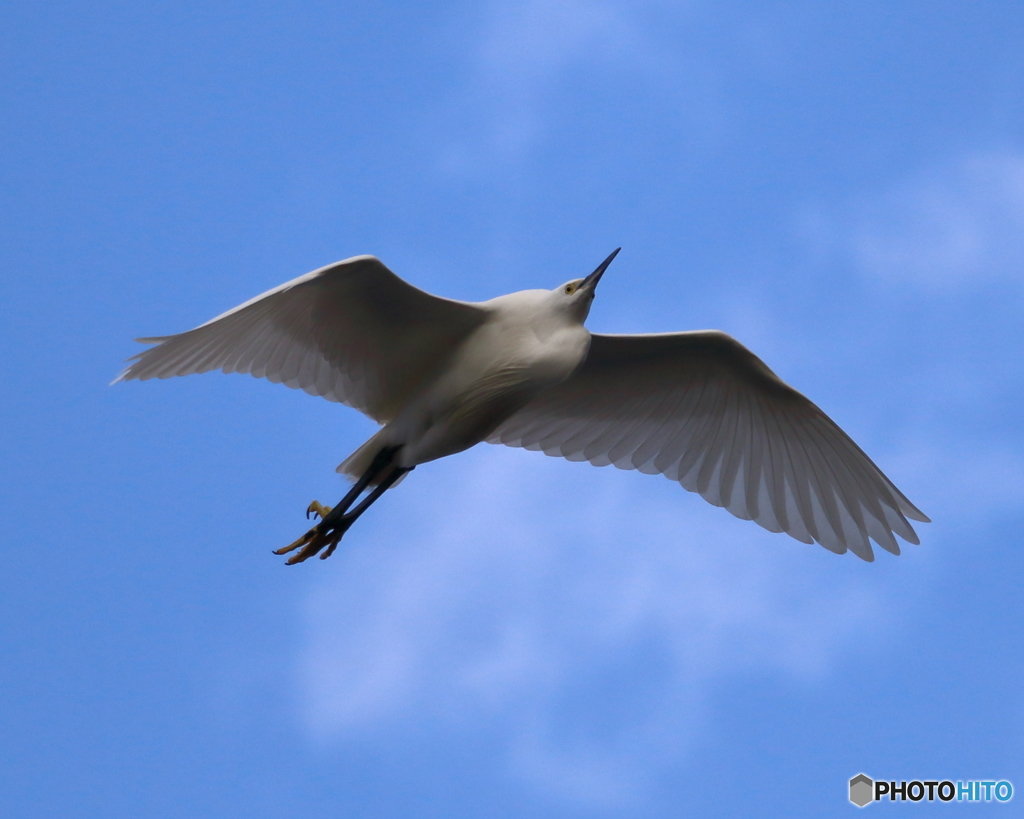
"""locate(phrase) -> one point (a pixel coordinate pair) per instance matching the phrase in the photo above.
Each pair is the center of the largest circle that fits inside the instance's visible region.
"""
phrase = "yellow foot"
(312, 542)
(318, 509)
(322, 537)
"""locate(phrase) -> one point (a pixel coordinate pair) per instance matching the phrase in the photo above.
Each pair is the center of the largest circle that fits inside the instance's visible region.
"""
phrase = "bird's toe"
(302, 541)
(318, 509)
(335, 536)
(321, 538)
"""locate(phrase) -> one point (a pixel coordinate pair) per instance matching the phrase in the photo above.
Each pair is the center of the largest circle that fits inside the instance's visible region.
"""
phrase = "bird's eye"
(569, 288)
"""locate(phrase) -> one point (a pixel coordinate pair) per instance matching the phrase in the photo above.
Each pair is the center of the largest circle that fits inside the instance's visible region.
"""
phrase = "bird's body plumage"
(517, 352)
(522, 370)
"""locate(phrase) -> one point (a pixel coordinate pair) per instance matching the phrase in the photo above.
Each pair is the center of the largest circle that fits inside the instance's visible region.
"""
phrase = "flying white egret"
(521, 370)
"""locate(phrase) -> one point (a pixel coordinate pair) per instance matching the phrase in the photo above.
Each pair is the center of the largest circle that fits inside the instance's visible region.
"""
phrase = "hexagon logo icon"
(861, 790)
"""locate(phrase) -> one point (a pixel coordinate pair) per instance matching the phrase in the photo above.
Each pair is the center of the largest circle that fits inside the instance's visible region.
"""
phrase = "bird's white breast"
(508, 360)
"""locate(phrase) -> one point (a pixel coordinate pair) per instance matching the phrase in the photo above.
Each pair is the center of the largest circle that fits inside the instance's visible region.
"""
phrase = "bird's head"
(577, 295)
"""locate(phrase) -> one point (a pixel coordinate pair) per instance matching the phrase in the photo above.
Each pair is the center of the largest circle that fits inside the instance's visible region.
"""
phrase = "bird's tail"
(356, 464)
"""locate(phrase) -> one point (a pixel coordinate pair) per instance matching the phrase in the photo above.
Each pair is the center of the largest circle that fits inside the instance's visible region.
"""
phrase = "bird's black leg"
(346, 520)
(335, 522)
(381, 461)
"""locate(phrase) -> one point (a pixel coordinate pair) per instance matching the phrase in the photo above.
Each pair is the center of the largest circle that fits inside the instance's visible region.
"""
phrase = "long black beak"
(595, 277)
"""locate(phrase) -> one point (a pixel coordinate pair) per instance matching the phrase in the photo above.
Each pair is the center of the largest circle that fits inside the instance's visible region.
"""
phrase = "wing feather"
(351, 332)
(703, 410)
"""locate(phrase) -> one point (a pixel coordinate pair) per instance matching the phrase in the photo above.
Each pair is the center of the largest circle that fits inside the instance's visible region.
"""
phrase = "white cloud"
(525, 46)
(575, 612)
(583, 619)
(945, 246)
(958, 226)
(526, 42)
(523, 51)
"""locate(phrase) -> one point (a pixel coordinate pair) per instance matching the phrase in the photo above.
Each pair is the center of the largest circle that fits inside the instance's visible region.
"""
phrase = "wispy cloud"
(522, 54)
(946, 246)
(579, 617)
(525, 43)
(954, 227)
(526, 46)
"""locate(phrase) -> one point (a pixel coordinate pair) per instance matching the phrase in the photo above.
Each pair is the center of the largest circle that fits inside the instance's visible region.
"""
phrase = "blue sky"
(840, 186)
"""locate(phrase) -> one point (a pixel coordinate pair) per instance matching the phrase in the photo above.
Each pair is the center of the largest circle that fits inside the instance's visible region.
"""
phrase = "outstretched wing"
(700, 408)
(351, 332)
